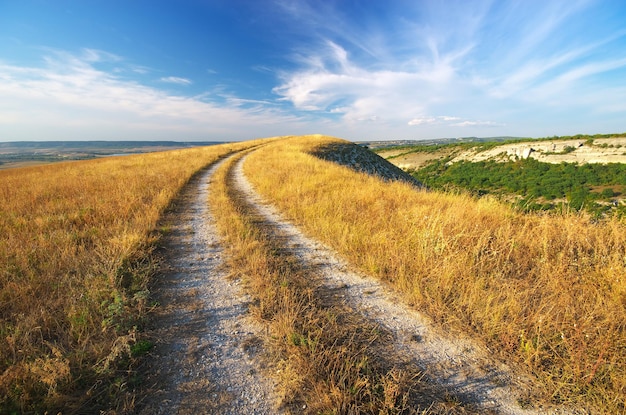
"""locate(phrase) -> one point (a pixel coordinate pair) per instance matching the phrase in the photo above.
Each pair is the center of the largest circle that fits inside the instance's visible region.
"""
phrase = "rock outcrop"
(363, 160)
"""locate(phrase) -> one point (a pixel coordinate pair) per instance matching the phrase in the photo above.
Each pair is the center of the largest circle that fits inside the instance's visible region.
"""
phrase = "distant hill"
(436, 141)
(93, 145)
(559, 150)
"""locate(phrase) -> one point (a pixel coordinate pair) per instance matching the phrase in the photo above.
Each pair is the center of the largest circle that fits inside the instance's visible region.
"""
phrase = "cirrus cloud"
(176, 80)
(451, 121)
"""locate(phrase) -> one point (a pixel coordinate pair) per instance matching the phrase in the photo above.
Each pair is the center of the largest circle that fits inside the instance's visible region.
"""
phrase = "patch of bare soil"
(452, 361)
(208, 356)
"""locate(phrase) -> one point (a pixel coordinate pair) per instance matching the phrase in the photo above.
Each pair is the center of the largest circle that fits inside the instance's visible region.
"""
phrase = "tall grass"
(75, 262)
(547, 291)
(323, 353)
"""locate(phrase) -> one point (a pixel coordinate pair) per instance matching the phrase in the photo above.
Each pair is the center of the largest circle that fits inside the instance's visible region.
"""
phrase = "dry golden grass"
(548, 291)
(322, 351)
(75, 261)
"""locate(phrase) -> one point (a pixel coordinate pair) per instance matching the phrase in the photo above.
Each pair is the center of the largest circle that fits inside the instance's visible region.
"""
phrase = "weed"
(141, 347)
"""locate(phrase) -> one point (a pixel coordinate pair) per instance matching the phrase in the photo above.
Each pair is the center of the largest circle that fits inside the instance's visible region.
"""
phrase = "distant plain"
(32, 153)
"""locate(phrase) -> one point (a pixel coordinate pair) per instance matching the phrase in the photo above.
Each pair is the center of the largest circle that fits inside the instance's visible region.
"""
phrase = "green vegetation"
(587, 137)
(541, 186)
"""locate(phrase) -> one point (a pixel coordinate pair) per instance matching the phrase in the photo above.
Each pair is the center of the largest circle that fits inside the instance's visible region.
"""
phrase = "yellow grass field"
(546, 291)
(75, 263)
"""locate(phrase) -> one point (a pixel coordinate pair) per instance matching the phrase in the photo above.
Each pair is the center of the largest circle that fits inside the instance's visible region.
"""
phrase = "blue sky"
(360, 70)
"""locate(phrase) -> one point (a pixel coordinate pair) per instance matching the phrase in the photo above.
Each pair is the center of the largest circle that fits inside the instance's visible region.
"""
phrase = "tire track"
(456, 363)
(207, 357)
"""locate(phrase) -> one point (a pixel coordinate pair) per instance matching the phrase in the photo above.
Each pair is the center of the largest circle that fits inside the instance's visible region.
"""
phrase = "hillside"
(600, 150)
(510, 278)
(586, 173)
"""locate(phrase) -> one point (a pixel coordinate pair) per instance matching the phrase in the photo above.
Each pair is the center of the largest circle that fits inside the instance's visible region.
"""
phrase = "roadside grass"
(76, 242)
(323, 355)
(547, 292)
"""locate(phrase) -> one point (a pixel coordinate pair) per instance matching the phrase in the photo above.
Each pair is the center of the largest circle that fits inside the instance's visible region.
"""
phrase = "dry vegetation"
(322, 353)
(547, 291)
(75, 262)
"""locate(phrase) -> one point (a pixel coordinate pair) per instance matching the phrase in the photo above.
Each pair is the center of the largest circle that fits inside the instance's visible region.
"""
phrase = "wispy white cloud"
(486, 65)
(324, 20)
(331, 81)
(564, 67)
(176, 80)
(449, 118)
(243, 102)
(534, 28)
(476, 123)
(422, 121)
(528, 74)
(412, 66)
(70, 98)
(590, 69)
(446, 120)
(489, 63)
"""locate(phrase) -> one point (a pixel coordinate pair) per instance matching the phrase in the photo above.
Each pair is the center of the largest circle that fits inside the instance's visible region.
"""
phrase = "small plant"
(141, 347)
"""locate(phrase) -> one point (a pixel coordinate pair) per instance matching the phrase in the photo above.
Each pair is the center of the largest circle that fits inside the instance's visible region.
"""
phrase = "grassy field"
(75, 263)
(545, 291)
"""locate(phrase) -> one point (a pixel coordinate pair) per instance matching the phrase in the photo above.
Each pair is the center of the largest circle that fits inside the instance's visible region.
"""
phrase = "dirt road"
(208, 357)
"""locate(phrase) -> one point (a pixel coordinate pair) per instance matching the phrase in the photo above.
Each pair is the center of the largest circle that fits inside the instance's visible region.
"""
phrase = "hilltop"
(281, 275)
